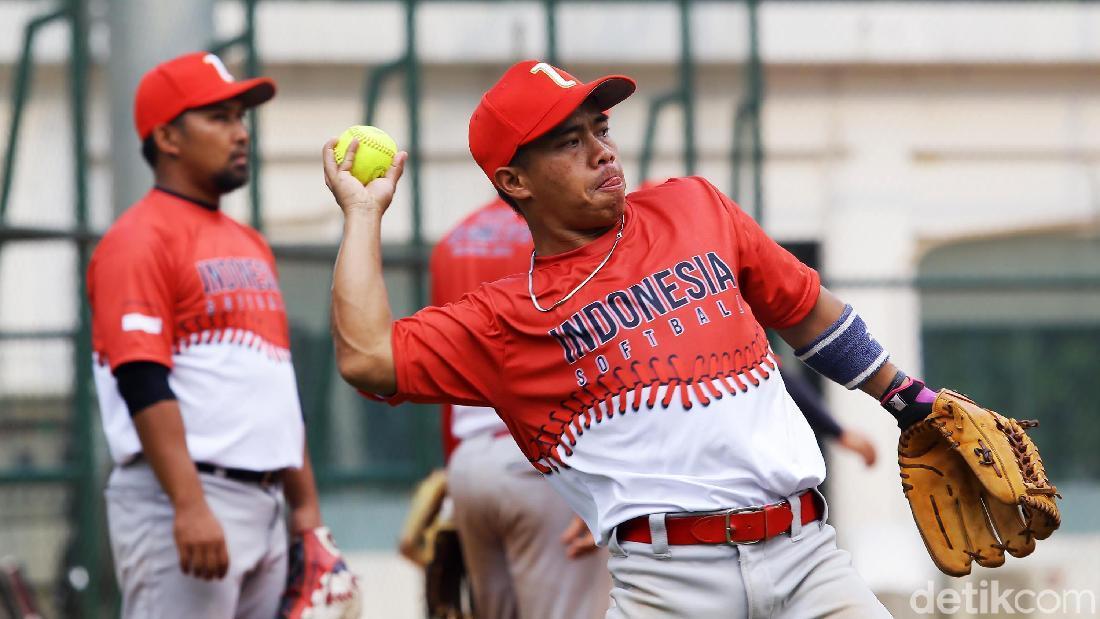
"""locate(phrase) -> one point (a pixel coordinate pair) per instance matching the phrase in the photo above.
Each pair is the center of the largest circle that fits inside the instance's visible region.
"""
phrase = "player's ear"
(513, 182)
(167, 139)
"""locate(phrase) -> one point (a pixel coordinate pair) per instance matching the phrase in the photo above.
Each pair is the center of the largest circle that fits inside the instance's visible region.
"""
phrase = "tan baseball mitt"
(976, 485)
(430, 540)
(416, 542)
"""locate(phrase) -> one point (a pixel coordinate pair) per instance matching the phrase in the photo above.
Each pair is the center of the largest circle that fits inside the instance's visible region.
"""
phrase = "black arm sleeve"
(807, 399)
(143, 383)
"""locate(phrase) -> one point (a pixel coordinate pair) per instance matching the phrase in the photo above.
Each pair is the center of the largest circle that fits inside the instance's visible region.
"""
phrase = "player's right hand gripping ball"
(375, 154)
(319, 583)
(963, 462)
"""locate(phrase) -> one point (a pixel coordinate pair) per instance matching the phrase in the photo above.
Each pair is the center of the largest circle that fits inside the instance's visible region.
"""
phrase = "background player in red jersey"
(812, 405)
(630, 363)
(509, 520)
(194, 376)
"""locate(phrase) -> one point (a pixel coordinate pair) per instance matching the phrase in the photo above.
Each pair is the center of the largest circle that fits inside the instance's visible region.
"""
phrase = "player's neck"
(552, 235)
(188, 190)
(550, 241)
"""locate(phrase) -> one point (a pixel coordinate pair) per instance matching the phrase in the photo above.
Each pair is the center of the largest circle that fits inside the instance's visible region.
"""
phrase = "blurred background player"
(812, 405)
(513, 527)
(193, 368)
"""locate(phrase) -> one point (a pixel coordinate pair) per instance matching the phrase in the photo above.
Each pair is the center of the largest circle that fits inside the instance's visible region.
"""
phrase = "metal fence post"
(684, 95)
(551, 9)
(756, 80)
(687, 86)
(87, 489)
(747, 116)
(426, 454)
(412, 96)
(19, 94)
(252, 69)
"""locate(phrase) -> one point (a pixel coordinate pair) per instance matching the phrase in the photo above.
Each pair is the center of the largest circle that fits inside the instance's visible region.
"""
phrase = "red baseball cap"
(189, 81)
(530, 99)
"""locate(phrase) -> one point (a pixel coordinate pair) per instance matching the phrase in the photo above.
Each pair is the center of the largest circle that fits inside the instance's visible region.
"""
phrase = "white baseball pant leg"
(140, 518)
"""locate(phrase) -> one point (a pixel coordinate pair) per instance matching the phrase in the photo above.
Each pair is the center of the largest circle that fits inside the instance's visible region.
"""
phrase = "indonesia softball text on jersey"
(653, 389)
(185, 286)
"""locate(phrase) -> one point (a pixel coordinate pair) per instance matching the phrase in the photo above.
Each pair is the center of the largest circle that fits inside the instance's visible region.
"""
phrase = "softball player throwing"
(629, 361)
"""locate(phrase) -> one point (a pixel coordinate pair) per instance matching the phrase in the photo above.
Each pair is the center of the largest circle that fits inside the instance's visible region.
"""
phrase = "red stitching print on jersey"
(237, 337)
(737, 372)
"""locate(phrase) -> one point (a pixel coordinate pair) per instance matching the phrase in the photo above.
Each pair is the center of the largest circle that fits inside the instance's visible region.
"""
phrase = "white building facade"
(892, 130)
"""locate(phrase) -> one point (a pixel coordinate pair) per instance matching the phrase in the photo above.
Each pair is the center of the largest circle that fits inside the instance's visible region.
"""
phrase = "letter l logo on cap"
(216, 62)
(553, 74)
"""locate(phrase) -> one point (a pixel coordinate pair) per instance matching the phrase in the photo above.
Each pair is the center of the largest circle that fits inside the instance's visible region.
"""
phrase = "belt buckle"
(744, 510)
(272, 477)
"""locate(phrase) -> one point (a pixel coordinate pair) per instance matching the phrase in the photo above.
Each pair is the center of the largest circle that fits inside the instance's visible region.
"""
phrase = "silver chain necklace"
(531, 273)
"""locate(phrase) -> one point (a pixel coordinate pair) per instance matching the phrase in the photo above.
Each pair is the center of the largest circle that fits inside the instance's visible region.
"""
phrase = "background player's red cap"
(189, 81)
(530, 99)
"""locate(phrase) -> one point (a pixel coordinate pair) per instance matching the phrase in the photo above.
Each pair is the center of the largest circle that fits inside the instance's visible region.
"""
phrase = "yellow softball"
(375, 154)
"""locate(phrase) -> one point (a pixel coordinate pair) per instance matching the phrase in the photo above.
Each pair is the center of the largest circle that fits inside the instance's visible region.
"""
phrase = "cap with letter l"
(530, 99)
(190, 81)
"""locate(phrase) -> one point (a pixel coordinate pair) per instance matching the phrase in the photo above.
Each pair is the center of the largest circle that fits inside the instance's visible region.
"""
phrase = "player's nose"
(603, 152)
(240, 131)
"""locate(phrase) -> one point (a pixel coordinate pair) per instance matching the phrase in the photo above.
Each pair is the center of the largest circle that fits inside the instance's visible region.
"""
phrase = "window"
(1014, 323)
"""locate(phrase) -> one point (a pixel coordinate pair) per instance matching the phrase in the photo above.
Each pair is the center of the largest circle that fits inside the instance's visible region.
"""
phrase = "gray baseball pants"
(510, 520)
(802, 575)
(140, 518)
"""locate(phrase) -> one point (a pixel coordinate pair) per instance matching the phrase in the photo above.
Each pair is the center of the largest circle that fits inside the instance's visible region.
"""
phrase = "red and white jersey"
(651, 390)
(187, 287)
(491, 243)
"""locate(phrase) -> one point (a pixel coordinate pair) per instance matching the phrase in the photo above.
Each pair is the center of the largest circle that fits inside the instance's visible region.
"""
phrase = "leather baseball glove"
(430, 540)
(446, 586)
(416, 541)
(976, 485)
(319, 583)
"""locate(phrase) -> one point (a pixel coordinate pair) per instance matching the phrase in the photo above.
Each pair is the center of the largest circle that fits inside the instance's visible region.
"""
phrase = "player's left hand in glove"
(319, 583)
(974, 479)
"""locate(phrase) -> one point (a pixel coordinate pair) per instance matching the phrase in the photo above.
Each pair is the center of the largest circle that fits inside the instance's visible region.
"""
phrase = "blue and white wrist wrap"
(845, 353)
